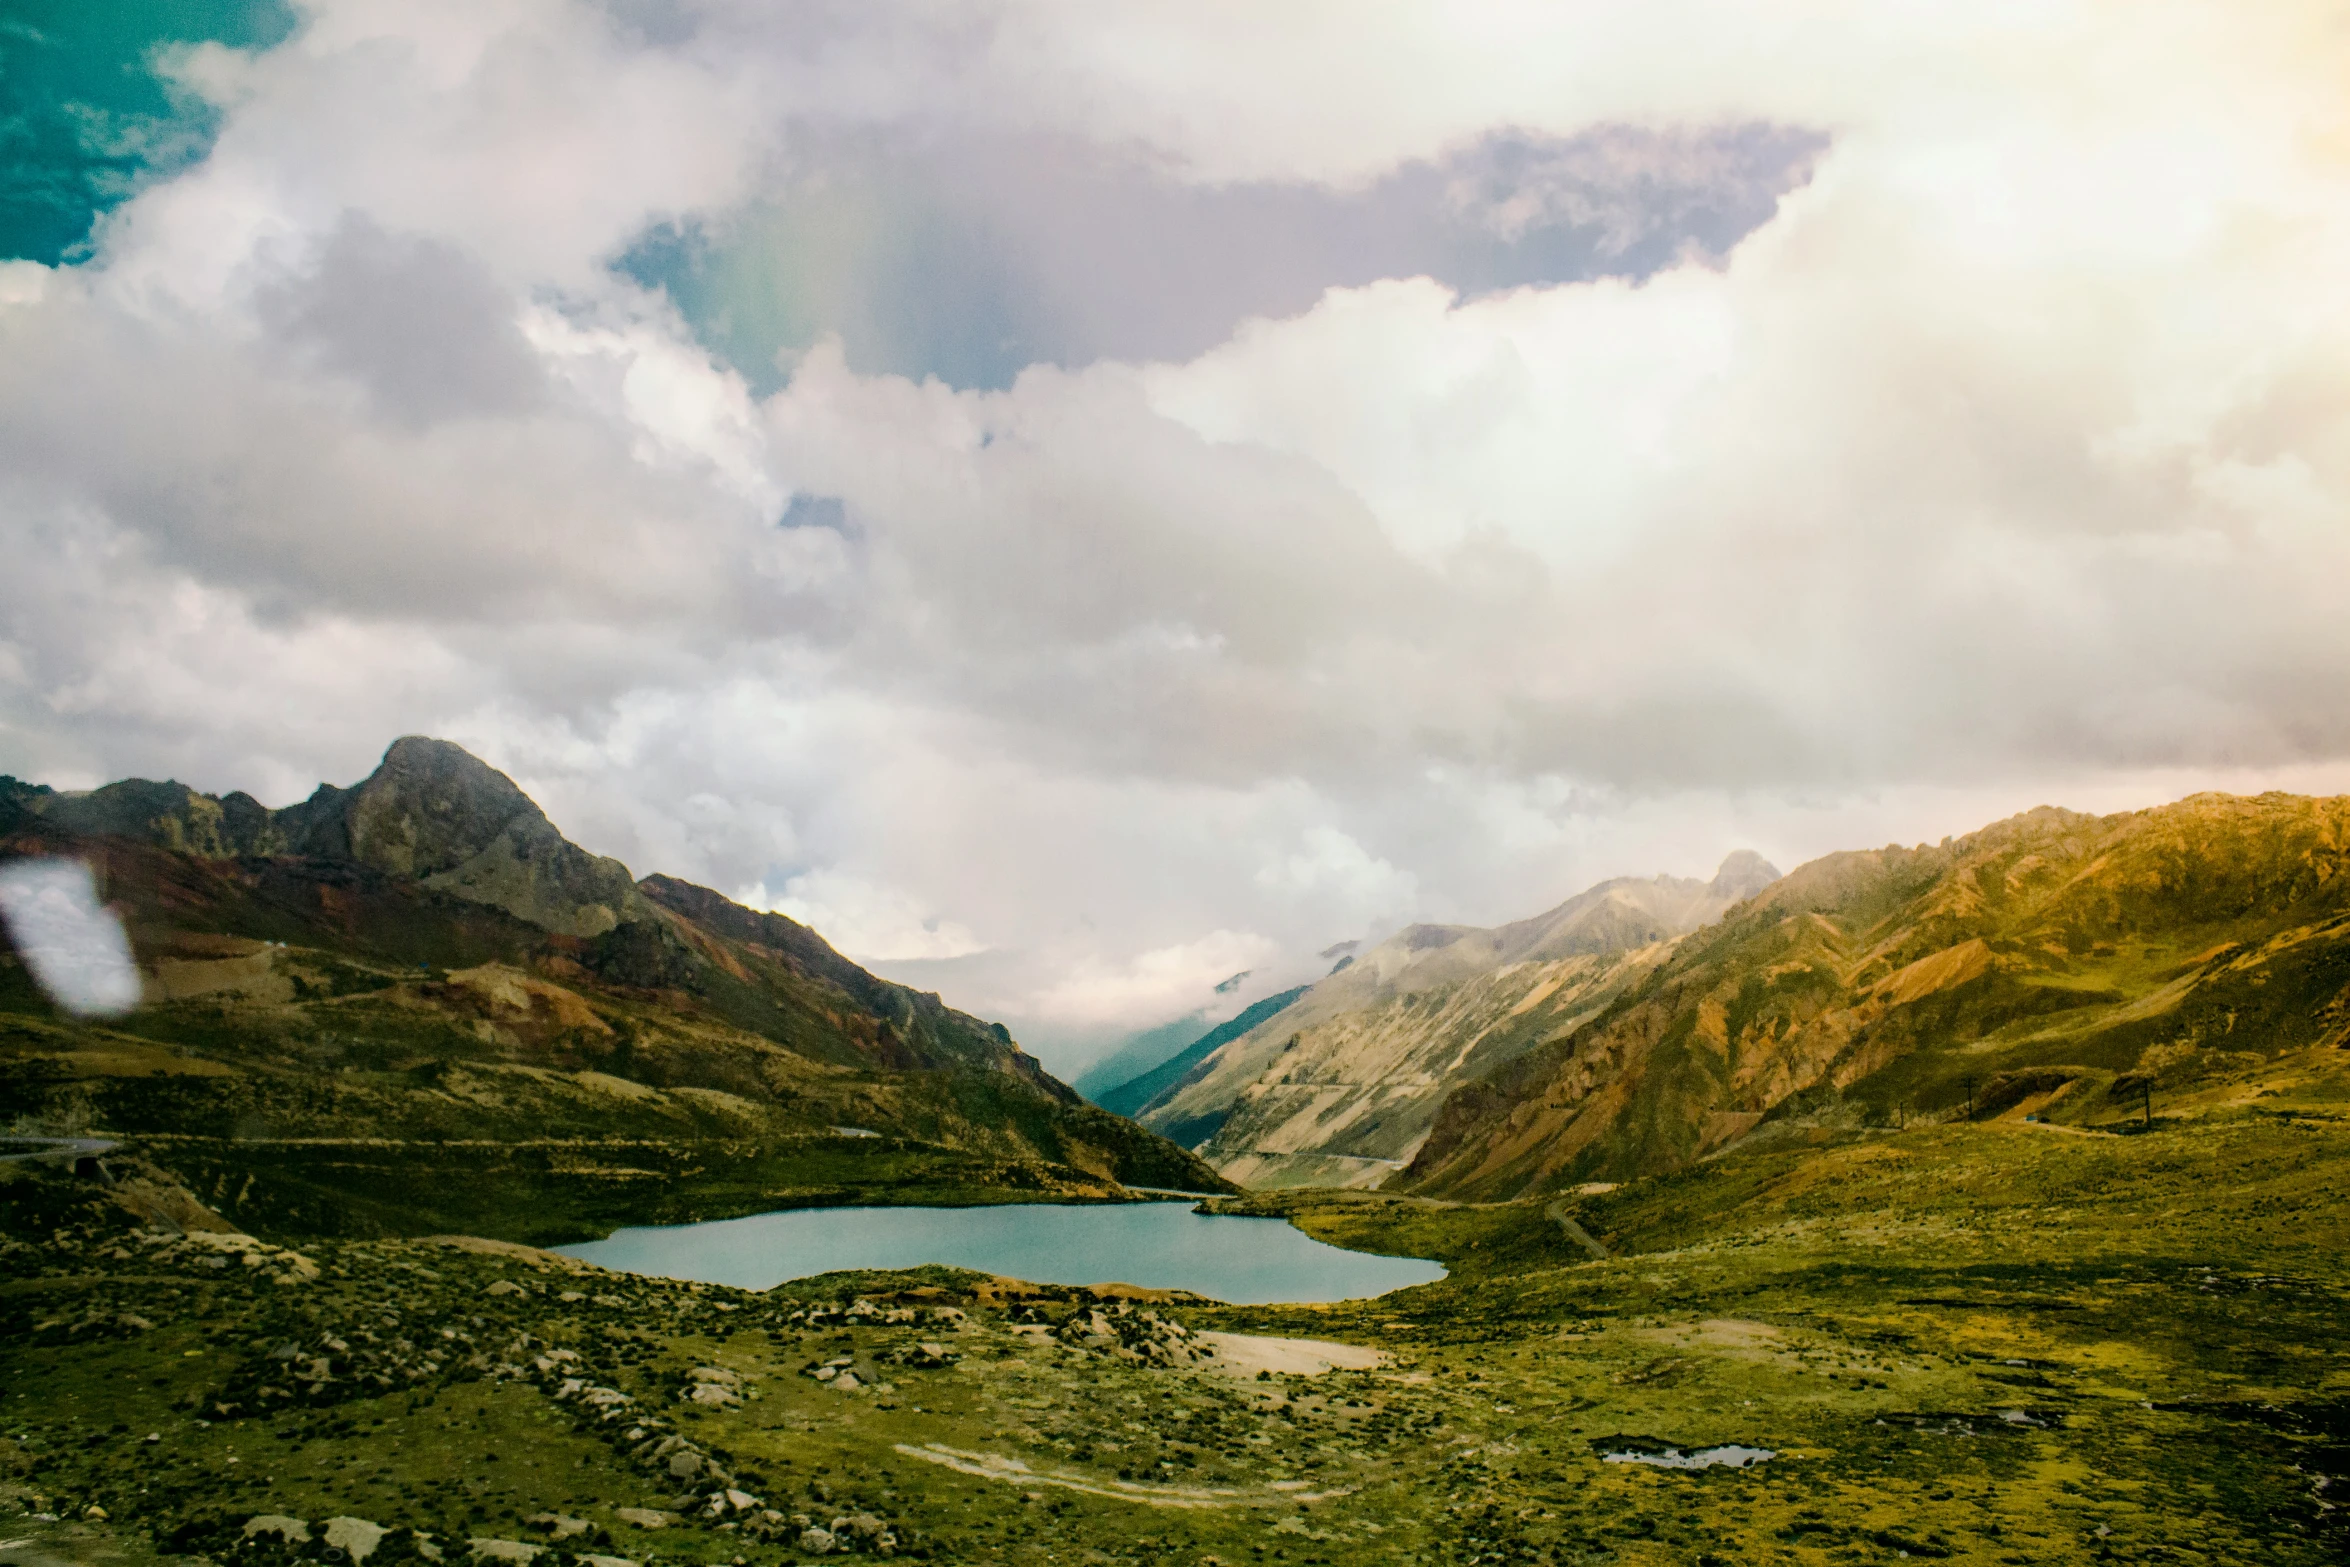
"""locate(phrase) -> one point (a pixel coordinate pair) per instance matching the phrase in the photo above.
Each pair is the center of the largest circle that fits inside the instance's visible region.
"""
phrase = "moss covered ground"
(2008, 1343)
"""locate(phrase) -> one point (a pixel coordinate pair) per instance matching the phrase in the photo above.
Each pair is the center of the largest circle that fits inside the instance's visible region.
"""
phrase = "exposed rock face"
(170, 815)
(2051, 959)
(1340, 1088)
(1741, 876)
(430, 811)
(434, 812)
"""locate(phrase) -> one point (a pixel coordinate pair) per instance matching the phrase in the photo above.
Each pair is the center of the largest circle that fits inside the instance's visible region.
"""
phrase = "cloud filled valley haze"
(1081, 503)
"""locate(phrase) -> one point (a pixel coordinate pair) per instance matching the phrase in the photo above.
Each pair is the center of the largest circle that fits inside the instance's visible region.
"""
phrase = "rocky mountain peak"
(435, 811)
(431, 806)
(430, 810)
(1743, 874)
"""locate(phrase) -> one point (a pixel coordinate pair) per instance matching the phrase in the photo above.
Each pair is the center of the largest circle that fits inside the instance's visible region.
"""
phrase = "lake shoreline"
(1146, 1245)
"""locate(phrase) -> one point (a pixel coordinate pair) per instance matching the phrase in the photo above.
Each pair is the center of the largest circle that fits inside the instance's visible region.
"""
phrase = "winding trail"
(54, 1148)
(1575, 1232)
(995, 1466)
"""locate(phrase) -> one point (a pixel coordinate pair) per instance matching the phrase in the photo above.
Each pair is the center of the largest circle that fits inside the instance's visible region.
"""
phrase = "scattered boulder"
(816, 1542)
(277, 1526)
(714, 1386)
(1133, 1334)
(356, 1538)
(515, 1551)
(559, 1526)
(839, 1372)
(356, 1363)
(861, 1531)
(642, 1517)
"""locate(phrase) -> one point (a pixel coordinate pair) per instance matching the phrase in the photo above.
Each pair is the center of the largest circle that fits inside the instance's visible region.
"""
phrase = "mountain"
(430, 812)
(2075, 968)
(424, 960)
(1138, 1053)
(1339, 1089)
(1129, 1097)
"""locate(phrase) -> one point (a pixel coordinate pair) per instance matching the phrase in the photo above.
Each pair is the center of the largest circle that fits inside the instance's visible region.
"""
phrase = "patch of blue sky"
(88, 118)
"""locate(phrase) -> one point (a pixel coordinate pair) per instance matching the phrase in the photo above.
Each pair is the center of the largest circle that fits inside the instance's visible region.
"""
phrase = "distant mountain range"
(2077, 969)
(424, 956)
(1129, 1097)
(1340, 1087)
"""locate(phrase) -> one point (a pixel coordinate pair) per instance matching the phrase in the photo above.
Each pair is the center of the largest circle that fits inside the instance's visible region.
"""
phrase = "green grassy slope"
(1990, 1343)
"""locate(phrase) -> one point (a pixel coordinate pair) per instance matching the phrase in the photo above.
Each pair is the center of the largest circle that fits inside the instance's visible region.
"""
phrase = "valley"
(1969, 1343)
(1340, 1087)
(1979, 1202)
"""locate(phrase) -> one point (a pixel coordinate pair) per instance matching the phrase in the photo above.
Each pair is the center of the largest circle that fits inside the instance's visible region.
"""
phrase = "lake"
(1158, 1245)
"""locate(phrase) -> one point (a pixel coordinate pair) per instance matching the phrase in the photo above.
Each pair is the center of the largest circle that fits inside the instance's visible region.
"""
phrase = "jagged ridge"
(424, 954)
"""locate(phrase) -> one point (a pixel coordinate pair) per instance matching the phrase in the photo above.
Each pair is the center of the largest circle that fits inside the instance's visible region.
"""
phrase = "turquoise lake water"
(1158, 1245)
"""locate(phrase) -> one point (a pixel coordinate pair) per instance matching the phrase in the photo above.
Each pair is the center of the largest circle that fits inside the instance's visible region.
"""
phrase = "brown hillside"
(1340, 1088)
(2054, 962)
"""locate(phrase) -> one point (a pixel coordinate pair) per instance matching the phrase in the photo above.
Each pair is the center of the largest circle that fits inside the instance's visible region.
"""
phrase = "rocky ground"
(1983, 1345)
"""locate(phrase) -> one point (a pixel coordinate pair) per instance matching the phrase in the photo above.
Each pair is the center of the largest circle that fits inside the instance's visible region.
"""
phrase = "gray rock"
(642, 1517)
(356, 1538)
(293, 1531)
(505, 1551)
(816, 1542)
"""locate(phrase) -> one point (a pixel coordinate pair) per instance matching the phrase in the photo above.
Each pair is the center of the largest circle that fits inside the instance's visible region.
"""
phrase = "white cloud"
(1331, 863)
(2009, 462)
(1153, 985)
(870, 923)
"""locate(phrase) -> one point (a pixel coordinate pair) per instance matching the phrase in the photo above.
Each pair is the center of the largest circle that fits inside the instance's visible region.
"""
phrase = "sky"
(1081, 502)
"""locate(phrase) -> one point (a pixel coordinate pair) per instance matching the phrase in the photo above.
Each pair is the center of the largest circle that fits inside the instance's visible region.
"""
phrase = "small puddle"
(1642, 1450)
